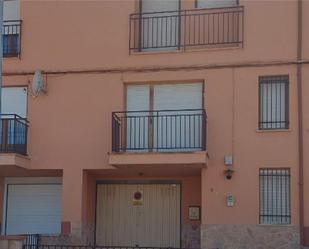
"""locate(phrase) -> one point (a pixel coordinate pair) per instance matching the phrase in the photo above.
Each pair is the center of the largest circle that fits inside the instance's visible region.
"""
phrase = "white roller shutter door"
(33, 209)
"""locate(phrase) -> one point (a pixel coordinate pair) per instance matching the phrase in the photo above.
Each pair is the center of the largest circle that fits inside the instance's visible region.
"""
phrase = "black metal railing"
(13, 134)
(196, 28)
(11, 31)
(32, 241)
(160, 130)
(64, 247)
(99, 247)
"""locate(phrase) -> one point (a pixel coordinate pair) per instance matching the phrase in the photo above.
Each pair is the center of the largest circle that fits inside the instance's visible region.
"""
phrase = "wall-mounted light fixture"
(228, 161)
(228, 174)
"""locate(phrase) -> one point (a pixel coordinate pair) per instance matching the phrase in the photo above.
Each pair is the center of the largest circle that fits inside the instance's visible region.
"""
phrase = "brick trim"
(306, 236)
(65, 227)
(12, 237)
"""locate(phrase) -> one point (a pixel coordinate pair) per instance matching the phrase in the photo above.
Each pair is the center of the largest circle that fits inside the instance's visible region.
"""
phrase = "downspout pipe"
(300, 121)
(1, 51)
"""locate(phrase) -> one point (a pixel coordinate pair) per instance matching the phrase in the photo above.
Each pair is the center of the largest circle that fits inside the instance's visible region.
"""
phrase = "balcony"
(11, 38)
(159, 137)
(13, 134)
(13, 138)
(187, 29)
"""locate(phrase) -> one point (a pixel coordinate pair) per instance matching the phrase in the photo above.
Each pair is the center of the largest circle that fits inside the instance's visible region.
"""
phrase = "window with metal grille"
(275, 196)
(10, 45)
(274, 102)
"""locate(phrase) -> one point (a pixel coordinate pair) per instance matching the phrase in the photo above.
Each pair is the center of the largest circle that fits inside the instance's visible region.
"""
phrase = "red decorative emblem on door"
(137, 198)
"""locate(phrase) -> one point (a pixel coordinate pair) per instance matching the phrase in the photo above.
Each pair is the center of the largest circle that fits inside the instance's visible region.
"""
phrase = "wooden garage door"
(154, 221)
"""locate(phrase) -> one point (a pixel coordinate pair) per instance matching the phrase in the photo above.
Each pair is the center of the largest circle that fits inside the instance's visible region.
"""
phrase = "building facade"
(142, 123)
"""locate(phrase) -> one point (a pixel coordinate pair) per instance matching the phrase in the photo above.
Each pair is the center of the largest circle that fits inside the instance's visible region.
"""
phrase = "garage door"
(33, 209)
(138, 215)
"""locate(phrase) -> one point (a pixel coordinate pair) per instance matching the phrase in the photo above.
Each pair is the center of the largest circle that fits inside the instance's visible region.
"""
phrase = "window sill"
(273, 130)
(11, 57)
(275, 225)
(187, 50)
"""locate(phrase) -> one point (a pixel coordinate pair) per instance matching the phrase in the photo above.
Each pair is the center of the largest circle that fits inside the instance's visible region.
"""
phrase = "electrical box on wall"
(230, 200)
(194, 212)
(228, 160)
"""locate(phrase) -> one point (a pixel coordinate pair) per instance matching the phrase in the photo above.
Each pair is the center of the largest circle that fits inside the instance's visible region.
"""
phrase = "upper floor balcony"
(187, 29)
(11, 31)
(13, 134)
(159, 137)
(13, 141)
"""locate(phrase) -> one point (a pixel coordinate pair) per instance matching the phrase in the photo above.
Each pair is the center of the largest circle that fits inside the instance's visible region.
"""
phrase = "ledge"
(273, 130)
(12, 159)
(196, 158)
(12, 237)
(202, 48)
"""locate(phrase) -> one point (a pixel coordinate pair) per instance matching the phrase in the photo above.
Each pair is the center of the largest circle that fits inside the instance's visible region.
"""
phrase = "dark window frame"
(267, 218)
(11, 45)
(11, 38)
(271, 79)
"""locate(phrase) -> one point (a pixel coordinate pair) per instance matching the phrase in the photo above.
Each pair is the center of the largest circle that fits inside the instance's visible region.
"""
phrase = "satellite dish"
(38, 84)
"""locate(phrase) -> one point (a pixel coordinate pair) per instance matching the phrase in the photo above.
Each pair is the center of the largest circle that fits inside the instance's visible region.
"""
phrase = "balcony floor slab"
(196, 158)
(12, 159)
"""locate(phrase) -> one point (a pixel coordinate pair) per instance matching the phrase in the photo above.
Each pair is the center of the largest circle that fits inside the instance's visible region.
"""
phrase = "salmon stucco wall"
(109, 49)
(232, 129)
(70, 127)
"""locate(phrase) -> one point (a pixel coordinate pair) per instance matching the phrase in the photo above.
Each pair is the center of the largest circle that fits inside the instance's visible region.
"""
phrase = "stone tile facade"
(249, 237)
(210, 237)
(191, 236)
(11, 244)
(80, 235)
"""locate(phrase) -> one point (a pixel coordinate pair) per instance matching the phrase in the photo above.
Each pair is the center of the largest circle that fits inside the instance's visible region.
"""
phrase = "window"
(11, 28)
(274, 102)
(159, 24)
(174, 120)
(10, 45)
(14, 101)
(13, 130)
(161, 118)
(215, 3)
(275, 196)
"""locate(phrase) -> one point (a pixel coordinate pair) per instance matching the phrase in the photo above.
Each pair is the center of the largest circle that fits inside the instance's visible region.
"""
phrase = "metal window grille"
(274, 102)
(275, 196)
